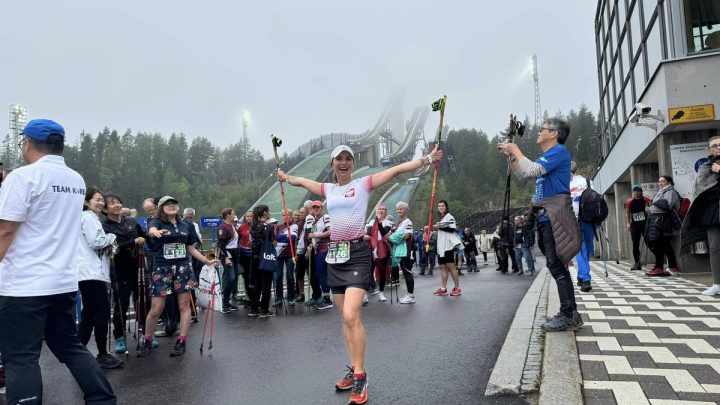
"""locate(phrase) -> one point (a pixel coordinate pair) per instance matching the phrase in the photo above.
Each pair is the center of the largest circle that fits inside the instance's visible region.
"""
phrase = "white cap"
(272, 221)
(342, 148)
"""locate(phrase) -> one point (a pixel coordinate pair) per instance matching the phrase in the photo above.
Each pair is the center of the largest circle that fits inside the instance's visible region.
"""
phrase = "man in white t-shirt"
(578, 184)
(40, 208)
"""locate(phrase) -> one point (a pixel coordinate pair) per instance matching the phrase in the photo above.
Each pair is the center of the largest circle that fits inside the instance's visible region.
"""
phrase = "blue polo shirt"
(556, 162)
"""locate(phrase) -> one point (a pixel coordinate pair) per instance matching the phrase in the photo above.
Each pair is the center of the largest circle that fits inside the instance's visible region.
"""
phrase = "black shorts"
(448, 257)
(356, 272)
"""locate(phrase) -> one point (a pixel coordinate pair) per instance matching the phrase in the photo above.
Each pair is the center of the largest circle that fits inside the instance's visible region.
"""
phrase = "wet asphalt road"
(440, 350)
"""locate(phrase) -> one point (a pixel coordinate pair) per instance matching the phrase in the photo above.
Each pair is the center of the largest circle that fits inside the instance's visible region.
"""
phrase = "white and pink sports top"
(347, 206)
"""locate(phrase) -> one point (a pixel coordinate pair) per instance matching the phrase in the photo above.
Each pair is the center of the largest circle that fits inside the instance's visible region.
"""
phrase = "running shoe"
(278, 303)
(193, 319)
(673, 271)
(120, 345)
(559, 323)
(346, 382)
(179, 349)
(225, 310)
(577, 318)
(300, 298)
(325, 304)
(291, 301)
(455, 292)
(253, 313)
(108, 361)
(440, 291)
(365, 300)
(232, 306)
(145, 348)
(657, 272)
(408, 299)
(359, 393)
(714, 290)
(374, 291)
(266, 314)
(381, 296)
(586, 286)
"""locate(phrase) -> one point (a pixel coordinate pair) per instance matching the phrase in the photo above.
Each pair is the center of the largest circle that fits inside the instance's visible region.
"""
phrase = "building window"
(622, 15)
(639, 78)
(654, 47)
(702, 23)
(636, 29)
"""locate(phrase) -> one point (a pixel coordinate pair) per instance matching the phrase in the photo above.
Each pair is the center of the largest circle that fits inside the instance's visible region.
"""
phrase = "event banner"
(686, 159)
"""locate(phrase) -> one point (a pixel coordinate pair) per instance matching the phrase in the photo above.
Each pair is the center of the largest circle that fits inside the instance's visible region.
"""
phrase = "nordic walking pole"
(212, 317)
(439, 105)
(276, 144)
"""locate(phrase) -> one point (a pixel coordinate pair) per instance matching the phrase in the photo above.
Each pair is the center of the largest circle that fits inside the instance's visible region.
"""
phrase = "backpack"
(593, 208)
(684, 207)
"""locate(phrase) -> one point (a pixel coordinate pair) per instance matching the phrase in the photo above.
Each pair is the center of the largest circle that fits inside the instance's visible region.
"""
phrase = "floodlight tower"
(534, 71)
(245, 122)
(18, 119)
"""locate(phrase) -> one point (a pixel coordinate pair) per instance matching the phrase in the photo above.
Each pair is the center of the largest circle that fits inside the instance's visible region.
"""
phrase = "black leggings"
(122, 291)
(300, 270)
(636, 232)
(95, 313)
(261, 284)
(406, 266)
(381, 271)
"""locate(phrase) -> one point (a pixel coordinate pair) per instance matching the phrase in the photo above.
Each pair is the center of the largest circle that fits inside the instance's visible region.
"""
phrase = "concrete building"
(659, 87)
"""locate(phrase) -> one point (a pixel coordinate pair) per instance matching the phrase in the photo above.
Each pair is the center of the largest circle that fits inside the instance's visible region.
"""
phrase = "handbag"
(268, 259)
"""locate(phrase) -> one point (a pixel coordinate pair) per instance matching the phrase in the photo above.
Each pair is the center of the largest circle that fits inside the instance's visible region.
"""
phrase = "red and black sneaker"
(346, 382)
(657, 272)
(359, 393)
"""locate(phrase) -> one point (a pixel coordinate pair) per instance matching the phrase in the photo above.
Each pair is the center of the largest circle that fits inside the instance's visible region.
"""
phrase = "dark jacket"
(704, 211)
(126, 259)
(470, 244)
(565, 226)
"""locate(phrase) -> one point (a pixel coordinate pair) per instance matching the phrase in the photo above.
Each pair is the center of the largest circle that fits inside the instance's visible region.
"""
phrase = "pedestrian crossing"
(648, 340)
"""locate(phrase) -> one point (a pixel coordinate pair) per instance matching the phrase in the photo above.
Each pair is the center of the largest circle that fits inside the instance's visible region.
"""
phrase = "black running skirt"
(355, 272)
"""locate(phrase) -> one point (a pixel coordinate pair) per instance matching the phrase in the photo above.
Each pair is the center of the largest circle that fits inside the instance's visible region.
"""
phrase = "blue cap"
(637, 187)
(40, 130)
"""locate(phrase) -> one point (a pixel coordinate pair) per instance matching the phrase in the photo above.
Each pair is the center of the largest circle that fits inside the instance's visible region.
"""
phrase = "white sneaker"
(365, 300)
(408, 299)
(672, 272)
(714, 290)
(381, 297)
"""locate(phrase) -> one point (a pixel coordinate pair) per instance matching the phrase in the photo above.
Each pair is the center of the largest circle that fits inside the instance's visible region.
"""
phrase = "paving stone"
(641, 361)
(593, 370)
(588, 348)
(658, 389)
(600, 401)
(597, 394)
(693, 396)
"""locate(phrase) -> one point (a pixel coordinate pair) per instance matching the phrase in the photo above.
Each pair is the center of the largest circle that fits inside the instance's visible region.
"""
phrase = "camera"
(641, 109)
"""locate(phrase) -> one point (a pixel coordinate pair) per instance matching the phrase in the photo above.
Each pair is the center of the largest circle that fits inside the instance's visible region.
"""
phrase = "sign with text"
(695, 113)
(210, 222)
(686, 160)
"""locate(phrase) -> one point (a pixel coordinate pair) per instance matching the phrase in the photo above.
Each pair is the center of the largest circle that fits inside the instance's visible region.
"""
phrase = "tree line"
(209, 178)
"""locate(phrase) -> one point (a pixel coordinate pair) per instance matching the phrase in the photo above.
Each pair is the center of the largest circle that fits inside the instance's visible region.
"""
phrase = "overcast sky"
(301, 68)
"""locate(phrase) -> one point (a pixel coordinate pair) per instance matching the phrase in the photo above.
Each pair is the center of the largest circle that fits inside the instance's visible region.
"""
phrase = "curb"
(507, 374)
(561, 377)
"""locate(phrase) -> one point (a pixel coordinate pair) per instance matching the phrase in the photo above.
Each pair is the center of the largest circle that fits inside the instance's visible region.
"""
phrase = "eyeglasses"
(20, 144)
(715, 146)
(549, 129)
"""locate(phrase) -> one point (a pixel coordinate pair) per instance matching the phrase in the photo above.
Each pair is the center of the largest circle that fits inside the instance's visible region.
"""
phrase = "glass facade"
(631, 38)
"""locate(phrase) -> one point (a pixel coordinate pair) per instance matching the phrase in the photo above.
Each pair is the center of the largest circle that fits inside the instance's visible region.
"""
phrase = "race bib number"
(638, 216)
(174, 251)
(338, 252)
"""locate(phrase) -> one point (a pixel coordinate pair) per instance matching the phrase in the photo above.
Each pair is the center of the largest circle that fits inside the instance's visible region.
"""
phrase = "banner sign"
(210, 222)
(686, 159)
